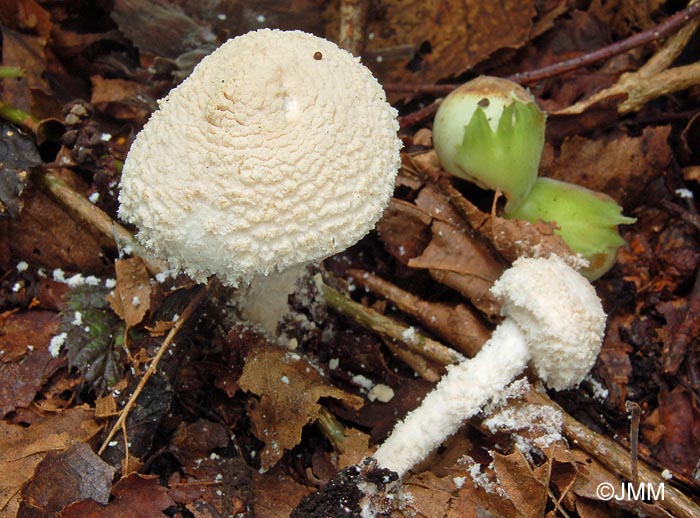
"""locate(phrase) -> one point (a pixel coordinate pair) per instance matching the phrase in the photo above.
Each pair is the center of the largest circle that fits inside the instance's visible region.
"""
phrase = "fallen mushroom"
(554, 321)
(280, 149)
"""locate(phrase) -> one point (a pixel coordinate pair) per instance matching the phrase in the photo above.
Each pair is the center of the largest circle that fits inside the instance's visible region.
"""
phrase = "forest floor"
(230, 424)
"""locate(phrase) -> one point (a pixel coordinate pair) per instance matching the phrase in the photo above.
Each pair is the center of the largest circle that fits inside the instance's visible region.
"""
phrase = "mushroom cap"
(279, 149)
(559, 314)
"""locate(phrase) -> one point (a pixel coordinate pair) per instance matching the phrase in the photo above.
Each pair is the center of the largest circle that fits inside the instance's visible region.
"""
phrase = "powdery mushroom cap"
(559, 313)
(278, 149)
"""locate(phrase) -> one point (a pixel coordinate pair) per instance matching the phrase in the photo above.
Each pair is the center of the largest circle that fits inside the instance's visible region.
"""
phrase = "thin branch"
(186, 314)
(668, 26)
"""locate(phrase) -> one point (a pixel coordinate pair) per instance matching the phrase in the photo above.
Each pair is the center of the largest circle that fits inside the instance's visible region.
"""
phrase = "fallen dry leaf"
(137, 496)
(24, 340)
(427, 40)
(131, 298)
(277, 494)
(23, 448)
(621, 166)
(62, 478)
(289, 389)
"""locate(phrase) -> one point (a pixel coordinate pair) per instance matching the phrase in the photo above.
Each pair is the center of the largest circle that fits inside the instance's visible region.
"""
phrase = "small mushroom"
(554, 320)
(280, 149)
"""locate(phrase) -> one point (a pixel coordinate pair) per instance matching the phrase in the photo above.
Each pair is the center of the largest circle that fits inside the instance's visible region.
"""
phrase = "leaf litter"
(225, 427)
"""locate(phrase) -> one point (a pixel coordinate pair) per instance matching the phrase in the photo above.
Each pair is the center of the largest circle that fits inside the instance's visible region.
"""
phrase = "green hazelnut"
(587, 220)
(490, 131)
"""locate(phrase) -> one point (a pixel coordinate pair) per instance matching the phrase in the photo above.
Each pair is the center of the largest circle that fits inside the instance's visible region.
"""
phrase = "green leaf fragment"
(92, 334)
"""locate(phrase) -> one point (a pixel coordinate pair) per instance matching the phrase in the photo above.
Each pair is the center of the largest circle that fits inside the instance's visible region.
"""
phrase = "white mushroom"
(278, 150)
(554, 321)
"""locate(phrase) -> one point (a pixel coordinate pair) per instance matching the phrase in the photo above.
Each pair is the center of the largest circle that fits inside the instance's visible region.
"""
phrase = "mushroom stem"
(264, 302)
(461, 393)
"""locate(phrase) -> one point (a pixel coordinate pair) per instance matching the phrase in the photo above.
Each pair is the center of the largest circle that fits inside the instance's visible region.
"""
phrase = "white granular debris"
(597, 389)
(381, 392)
(409, 334)
(77, 319)
(363, 381)
(105, 137)
(112, 444)
(176, 317)
(333, 363)
(94, 197)
(221, 16)
(57, 343)
(218, 478)
(17, 287)
(110, 283)
(480, 478)
(543, 423)
(91, 280)
(135, 301)
(686, 194)
(214, 456)
(459, 481)
(30, 347)
(666, 474)
(22, 266)
(260, 18)
(58, 275)
(285, 380)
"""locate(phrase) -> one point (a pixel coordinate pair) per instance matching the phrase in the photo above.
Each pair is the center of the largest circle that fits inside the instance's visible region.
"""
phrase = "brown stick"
(186, 314)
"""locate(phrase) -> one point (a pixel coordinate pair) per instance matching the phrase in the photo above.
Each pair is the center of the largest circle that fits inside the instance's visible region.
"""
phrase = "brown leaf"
(680, 447)
(427, 40)
(516, 477)
(277, 494)
(131, 298)
(46, 235)
(289, 389)
(121, 99)
(621, 167)
(24, 339)
(136, 496)
(461, 262)
(64, 477)
(23, 448)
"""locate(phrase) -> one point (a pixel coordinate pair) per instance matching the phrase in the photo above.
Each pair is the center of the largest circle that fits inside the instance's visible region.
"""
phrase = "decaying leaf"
(18, 155)
(621, 166)
(424, 41)
(23, 448)
(92, 332)
(64, 477)
(26, 361)
(277, 494)
(289, 389)
(131, 297)
(140, 496)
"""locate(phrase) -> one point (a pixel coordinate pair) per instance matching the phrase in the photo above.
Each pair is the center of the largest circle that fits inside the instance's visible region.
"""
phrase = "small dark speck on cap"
(318, 56)
(484, 102)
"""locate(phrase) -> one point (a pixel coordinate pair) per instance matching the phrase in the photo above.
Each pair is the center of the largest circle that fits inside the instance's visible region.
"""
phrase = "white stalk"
(460, 394)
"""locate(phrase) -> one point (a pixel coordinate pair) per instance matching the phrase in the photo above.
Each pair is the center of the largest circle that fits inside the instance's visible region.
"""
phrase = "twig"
(412, 338)
(668, 26)
(635, 413)
(418, 116)
(353, 19)
(186, 314)
(454, 323)
(96, 217)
